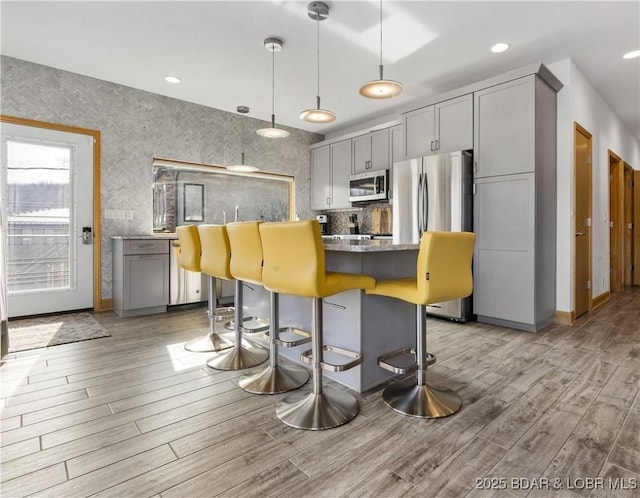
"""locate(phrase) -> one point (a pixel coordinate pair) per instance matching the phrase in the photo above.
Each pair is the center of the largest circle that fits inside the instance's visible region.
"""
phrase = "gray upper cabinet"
(330, 171)
(505, 128)
(419, 132)
(443, 127)
(320, 177)
(371, 151)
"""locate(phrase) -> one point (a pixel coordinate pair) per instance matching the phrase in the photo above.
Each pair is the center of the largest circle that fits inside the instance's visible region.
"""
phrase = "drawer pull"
(335, 305)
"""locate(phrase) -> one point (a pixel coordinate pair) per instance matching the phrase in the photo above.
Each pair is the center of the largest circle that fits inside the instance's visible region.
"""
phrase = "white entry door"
(47, 195)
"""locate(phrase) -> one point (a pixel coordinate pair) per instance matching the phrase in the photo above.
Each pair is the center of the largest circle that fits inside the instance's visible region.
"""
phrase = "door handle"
(579, 233)
(87, 238)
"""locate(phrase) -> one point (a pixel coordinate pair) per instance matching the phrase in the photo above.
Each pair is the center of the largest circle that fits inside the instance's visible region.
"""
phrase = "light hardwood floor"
(136, 415)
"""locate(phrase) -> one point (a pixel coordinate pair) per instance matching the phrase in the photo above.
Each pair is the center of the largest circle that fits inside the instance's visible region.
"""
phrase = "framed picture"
(193, 202)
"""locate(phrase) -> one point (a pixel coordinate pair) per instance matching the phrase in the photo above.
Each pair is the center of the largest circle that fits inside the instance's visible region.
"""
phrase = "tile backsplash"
(339, 220)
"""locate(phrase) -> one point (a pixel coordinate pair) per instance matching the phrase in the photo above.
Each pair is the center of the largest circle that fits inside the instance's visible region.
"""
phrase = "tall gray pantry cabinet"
(515, 203)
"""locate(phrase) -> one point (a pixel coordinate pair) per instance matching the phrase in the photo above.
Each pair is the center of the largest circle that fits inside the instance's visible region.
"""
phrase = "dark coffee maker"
(353, 224)
(324, 224)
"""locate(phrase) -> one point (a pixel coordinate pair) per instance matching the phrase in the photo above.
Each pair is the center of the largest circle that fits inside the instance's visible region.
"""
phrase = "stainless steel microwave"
(369, 186)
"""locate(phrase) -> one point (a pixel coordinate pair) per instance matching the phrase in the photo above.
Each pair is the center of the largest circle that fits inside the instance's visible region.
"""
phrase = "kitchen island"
(366, 324)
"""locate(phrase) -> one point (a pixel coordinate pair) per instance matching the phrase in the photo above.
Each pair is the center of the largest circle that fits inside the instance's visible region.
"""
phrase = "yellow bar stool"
(294, 263)
(443, 273)
(189, 254)
(246, 265)
(216, 260)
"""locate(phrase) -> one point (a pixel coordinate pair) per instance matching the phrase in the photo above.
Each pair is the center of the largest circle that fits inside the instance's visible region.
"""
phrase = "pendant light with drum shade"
(242, 167)
(273, 45)
(381, 88)
(318, 11)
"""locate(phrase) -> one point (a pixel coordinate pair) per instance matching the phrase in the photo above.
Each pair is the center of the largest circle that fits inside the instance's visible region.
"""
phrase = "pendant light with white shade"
(273, 45)
(318, 11)
(381, 88)
(242, 167)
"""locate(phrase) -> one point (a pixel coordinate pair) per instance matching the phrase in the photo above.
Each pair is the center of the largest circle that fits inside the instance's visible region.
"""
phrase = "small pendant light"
(242, 167)
(381, 88)
(318, 11)
(273, 45)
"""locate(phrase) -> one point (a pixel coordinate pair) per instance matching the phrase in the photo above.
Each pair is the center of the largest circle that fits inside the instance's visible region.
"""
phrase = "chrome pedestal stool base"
(238, 358)
(210, 343)
(317, 411)
(274, 380)
(422, 401)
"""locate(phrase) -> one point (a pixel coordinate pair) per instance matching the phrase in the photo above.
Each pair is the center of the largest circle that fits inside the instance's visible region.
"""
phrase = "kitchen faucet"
(224, 216)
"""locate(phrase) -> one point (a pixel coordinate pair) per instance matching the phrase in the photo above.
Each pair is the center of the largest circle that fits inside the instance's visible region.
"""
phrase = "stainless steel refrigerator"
(434, 193)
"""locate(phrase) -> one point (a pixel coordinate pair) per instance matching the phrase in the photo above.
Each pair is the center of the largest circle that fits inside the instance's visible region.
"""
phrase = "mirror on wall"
(187, 193)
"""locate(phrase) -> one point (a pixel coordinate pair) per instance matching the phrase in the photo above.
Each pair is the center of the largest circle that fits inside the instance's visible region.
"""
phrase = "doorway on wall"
(48, 188)
(628, 204)
(616, 221)
(583, 206)
(636, 227)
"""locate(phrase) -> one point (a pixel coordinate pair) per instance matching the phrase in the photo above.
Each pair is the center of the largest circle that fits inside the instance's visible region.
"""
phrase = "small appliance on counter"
(324, 223)
(353, 224)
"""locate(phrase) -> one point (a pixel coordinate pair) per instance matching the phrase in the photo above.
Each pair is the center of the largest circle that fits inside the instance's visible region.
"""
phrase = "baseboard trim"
(565, 317)
(600, 300)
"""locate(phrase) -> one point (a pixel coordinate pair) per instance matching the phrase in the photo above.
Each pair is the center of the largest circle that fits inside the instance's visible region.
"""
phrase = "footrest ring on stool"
(305, 337)
(306, 357)
(383, 361)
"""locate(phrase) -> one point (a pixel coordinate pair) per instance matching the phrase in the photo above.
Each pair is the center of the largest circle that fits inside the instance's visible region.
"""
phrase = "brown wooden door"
(636, 227)
(616, 221)
(582, 291)
(628, 224)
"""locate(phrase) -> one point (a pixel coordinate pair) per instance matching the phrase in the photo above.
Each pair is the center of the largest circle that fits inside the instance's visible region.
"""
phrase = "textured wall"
(136, 126)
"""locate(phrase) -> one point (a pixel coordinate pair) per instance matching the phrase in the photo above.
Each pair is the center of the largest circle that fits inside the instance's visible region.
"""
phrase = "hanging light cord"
(380, 65)
(381, 32)
(273, 87)
(318, 59)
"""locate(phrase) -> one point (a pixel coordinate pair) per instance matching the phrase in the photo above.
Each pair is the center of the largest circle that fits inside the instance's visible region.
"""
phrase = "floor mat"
(41, 332)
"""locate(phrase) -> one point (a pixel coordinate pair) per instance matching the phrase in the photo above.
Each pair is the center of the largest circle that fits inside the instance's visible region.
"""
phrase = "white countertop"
(329, 245)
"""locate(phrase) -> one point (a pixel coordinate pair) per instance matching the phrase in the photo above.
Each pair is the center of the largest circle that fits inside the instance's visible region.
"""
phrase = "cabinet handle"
(432, 145)
(437, 144)
(328, 200)
(335, 305)
(475, 166)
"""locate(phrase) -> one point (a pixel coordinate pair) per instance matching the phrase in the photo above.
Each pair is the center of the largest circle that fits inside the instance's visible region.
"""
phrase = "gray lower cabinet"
(140, 276)
(515, 204)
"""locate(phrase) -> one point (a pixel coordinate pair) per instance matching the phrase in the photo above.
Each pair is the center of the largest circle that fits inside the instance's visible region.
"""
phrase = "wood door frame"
(577, 128)
(628, 206)
(616, 220)
(636, 227)
(98, 304)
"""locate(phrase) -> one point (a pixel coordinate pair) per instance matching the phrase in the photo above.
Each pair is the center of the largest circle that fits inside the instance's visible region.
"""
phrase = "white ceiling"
(216, 47)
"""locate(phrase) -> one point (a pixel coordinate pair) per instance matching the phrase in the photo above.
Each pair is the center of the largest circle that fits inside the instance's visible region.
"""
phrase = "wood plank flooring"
(555, 413)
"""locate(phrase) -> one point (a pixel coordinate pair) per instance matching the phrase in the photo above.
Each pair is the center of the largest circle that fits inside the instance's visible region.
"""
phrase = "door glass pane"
(38, 216)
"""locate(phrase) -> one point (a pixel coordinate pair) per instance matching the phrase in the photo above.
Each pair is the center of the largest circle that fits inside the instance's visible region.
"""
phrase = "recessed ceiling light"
(500, 47)
(632, 55)
(172, 79)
